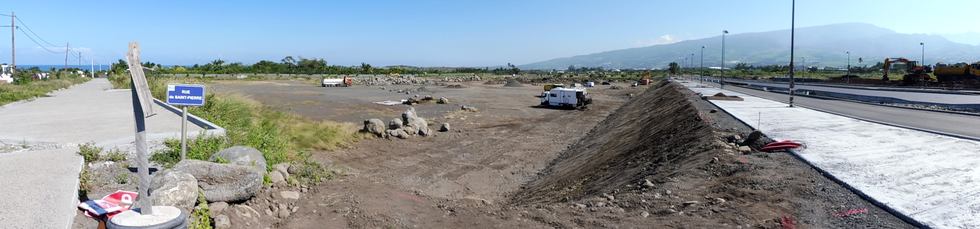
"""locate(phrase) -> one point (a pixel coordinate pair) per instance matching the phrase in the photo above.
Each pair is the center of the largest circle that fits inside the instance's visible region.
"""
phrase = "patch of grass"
(92, 153)
(200, 148)
(114, 155)
(85, 180)
(221, 160)
(247, 122)
(311, 172)
(31, 89)
(89, 152)
(276, 134)
(201, 217)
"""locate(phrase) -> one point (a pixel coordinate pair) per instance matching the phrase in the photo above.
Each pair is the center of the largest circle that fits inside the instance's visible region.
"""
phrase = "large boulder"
(418, 125)
(242, 155)
(395, 124)
(398, 133)
(409, 114)
(410, 130)
(174, 188)
(223, 182)
(243, 216)
(444, 127)
(374, 126)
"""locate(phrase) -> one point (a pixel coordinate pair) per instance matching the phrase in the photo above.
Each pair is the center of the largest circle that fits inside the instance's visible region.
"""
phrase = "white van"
(565, 97)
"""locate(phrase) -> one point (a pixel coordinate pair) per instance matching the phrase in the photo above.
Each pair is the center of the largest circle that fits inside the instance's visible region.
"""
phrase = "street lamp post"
(691, 66)
(792, 39)
(702, 64)
(721, 81)
(923, 59)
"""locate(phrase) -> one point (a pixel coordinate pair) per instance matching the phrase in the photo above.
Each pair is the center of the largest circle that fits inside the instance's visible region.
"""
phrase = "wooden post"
(142, 108)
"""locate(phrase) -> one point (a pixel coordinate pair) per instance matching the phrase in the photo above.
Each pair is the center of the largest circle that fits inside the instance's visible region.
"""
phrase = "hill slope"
(819, 45)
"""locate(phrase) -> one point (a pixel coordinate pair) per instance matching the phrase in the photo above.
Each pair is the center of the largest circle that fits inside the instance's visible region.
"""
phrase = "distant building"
(5, 74)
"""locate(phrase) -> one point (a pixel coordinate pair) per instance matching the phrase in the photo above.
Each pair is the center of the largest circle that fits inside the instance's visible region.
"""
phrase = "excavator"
(915, 73)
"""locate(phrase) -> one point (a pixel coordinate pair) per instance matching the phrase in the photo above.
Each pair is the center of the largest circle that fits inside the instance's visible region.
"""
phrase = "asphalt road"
(926, 97)
(949, 123)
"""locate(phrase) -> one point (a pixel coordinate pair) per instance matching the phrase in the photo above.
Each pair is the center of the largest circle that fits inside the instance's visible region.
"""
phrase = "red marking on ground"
(851, 212)
(787, 222)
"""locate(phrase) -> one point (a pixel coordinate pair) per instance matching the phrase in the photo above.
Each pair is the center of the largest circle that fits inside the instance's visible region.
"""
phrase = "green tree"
(673, 67)
(366, 68)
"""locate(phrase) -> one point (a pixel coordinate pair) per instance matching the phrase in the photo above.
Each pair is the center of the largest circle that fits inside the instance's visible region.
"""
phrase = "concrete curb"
(934, 91)
(826, 174)
(210, 127)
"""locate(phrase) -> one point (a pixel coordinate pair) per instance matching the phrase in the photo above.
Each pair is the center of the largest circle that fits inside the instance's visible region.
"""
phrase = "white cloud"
(661, 40)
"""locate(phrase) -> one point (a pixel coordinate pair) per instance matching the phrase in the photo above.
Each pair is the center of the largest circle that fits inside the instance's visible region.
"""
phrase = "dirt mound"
(513, 83)
(638, 141)
(663, 160)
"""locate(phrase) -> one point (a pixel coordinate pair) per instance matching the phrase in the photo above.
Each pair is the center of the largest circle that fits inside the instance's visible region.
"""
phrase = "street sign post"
(185, 95)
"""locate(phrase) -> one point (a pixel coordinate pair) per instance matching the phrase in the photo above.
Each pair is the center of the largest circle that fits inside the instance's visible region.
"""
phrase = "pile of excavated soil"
(513, 83)
(664, 160)
(656, 135)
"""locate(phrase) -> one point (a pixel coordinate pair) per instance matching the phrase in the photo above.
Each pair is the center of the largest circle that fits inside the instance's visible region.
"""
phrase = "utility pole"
(722, 80)
(67, 48)
(702, 64)
(691, 66)
(79, 59)
(792, 39)
(13, 46)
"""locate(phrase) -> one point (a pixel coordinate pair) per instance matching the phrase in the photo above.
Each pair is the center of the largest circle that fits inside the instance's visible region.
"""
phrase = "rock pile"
(392, 80)
(236, 177)
(410, 124)
(461, 78)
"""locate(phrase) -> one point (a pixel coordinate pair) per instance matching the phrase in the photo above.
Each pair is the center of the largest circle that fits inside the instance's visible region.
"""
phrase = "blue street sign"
(185, 95)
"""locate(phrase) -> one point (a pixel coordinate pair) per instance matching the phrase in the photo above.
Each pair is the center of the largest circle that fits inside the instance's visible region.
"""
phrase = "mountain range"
(815, 46)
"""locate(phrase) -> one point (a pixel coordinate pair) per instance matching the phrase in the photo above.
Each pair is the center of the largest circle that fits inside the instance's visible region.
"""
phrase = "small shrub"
(89, 152)
(114, 155)
(310, 171)
(201, 217)
(266, 181)
(85, 180)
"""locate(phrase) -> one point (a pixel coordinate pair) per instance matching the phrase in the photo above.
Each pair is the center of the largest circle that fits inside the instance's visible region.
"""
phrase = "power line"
(32, 31)
(36, 42)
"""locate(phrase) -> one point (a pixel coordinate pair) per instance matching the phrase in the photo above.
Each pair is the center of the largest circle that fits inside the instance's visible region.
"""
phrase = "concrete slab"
(931, 178)
(39, 164)
(38, 188)
(89, 112)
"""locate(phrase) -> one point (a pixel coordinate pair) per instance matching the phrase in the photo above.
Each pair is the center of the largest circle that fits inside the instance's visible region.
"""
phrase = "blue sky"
(433, 33)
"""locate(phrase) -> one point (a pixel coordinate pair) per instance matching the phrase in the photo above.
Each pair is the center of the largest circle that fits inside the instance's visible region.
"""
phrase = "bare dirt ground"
(512, 165)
